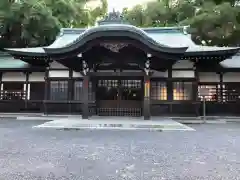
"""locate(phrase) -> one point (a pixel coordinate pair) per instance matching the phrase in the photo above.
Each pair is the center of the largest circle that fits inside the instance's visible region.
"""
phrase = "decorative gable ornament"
(114, 47)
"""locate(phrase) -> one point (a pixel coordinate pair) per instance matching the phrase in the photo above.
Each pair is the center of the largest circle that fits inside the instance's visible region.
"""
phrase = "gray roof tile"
(8, 62)
(166, 36)
(64, 40)
(233, 62)
(39, 50)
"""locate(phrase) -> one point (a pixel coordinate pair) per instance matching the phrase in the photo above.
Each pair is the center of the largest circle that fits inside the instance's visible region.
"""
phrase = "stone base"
(165, 125)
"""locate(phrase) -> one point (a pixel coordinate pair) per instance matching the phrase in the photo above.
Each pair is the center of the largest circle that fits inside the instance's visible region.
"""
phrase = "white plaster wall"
(58, 73)
(183, 74)
(209, 77)
(231, 77)
(160, 74)
(76, 74)
(13, 76)
(57, 65)
(37, 77)
(183, 64)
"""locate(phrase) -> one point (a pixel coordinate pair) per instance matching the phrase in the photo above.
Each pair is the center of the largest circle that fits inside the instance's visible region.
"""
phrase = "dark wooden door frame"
(119, 102)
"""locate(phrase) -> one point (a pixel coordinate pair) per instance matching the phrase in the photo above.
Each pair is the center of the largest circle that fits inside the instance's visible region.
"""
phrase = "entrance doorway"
(119, 97)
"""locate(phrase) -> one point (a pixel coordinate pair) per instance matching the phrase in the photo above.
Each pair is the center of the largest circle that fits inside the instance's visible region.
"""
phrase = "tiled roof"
(165, 36)
(68, 35)
(30, 50)
(108, 29)
(233, 62)
(168, 36)
(8, 62)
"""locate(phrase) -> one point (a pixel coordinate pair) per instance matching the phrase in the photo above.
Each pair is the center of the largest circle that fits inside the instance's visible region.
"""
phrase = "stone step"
(117, 125)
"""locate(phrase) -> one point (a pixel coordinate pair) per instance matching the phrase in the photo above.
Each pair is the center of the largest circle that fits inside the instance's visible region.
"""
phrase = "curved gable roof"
(172, 37)
(114, 30)
(164, 37)
(68, 35)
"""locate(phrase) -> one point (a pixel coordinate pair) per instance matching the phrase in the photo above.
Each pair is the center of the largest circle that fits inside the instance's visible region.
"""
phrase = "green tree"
(136, 16)
(212, 22)
(29, 23)
(26, 23)
(98, 12)
(160, 13)
(216, 25)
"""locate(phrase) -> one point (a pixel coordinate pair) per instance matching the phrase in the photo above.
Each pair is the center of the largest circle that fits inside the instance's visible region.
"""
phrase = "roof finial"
(113, 18)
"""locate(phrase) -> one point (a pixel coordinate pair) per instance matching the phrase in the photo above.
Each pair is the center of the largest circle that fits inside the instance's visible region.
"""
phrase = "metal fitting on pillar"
(85, 67)
(147, 64)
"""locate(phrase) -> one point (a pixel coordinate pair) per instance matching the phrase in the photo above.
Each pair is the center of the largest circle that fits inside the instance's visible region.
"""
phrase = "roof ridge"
(71, 30)
(147, 29)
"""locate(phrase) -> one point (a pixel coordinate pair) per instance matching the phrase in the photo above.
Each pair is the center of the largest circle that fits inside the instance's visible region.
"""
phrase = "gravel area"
(210, 152)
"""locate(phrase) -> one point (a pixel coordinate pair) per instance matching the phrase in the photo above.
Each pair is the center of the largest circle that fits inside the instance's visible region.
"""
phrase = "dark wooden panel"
(186, 109)
(37, 90)
(218, 109)
(107, 104)
(160, 110)
(12, 106)
(34, 106)
(119, 104)
(130, 104)
(174, 109)
(57, 108)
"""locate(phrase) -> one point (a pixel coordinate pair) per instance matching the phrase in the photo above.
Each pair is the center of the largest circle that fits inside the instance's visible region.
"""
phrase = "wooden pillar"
(94, 93)
(70, 90)
(1, 83)
(170, 89)
(85, 108)
(195, 90)
(195, 86)
(146, 101)
(220, 99)
(46, 90)
(26, 90)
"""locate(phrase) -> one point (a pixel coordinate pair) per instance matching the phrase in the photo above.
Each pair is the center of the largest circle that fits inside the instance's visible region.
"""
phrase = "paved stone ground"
(210, 152)
(180, 119)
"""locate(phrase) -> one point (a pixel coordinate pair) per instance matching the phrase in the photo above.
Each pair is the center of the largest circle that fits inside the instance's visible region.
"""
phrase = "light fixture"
(146, 71)
(147, 67)
(84, 64)
(147, 64)
(149, 55)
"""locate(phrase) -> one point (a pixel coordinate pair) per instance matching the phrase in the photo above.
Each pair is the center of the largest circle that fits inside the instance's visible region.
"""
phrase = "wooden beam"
(110, 74)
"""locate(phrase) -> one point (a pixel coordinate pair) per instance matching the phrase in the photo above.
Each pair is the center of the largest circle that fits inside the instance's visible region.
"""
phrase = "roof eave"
(232, 51)
(18, 52)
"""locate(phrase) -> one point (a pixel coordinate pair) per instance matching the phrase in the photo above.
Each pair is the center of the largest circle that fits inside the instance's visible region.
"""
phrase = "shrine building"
(116, 69)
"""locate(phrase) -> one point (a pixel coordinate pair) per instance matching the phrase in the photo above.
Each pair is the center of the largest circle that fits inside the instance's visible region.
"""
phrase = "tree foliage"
(212, 22)
(28, 23)
(216, 24)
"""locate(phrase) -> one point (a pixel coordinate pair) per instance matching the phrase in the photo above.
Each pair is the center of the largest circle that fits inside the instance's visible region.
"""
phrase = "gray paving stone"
(209, 153)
